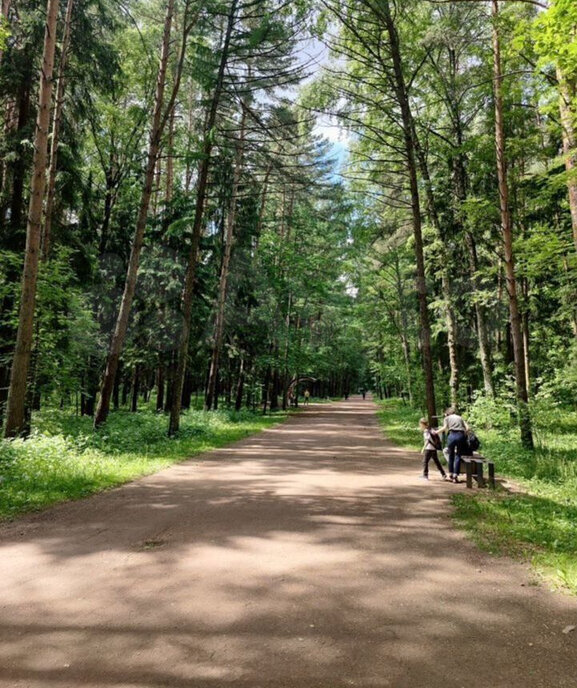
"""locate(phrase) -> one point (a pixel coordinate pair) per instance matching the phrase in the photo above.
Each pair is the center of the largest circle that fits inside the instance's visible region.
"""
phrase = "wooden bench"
(473, 466)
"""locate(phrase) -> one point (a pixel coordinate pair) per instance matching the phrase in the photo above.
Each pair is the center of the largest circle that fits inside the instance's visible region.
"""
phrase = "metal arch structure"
(295, 381)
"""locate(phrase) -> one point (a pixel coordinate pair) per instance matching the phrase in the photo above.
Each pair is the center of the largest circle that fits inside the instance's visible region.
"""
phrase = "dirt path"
(308, 556)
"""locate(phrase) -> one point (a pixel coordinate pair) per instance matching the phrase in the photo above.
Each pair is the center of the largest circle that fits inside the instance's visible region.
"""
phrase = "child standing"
(430, 448)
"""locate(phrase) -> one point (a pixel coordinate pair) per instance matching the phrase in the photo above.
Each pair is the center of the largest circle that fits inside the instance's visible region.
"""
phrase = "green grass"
(64, 459)
(538, 522)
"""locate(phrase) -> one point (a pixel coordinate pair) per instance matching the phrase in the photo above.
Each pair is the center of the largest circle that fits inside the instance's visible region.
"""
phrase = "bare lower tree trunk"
(168, 189)
(567, 92)
(56, 118)
(482, 329)
(446, 287)
(404, 327)
(507, 227)
(158, 124)
(239, 386)
(224, 271)
(461, 186)
(188, 291)
(160, 384)
(421, 284)
(15, 411)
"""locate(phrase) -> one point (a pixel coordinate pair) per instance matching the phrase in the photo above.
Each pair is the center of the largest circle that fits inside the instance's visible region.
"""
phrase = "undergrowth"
(65, 459)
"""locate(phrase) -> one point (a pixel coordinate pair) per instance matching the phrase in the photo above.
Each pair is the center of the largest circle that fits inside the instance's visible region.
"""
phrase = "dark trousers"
(431, 454)
(455, 445)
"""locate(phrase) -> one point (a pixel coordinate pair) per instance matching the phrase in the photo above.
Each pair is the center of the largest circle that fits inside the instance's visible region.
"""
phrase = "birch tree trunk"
(15, 410)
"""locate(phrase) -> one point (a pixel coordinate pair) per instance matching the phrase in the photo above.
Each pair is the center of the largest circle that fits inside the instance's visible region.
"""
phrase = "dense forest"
(176, 231)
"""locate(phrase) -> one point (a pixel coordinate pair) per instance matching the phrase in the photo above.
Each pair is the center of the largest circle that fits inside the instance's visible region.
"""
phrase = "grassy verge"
(64, 459)
(538, 523)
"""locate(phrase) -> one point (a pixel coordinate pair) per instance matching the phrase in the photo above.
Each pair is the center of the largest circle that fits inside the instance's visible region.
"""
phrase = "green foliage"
(65, 459)
(4, 33)
(554, 35)
(400, 423)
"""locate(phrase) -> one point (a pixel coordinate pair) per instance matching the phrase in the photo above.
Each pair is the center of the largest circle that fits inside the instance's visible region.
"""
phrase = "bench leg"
(491, 467)
(469, 470)
(480, 477)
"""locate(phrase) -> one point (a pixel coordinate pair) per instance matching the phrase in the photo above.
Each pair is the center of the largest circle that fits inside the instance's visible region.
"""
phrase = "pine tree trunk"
(201, 186)
(135, 389)
(482, 329)
(56, 119)
(224, 271)
(421, 284)
(446, 287)
(404, 328)
(239, 386)
(117, 342)
(169, 181)
(507, 227)
(15, 412)
(567, 93)
(160, 386)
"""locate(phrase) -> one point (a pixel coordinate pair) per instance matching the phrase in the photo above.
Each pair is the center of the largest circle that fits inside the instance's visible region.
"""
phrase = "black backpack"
(435, 439)
(473, 441)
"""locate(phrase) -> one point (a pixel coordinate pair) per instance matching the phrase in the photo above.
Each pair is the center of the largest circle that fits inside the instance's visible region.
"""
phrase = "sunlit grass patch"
(538, 521)
(539, 529)
(65, 459)
(400, 423)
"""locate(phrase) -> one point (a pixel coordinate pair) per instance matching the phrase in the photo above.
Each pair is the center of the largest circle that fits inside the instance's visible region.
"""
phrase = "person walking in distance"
(307, 396)
(432, 443)
(456, 430)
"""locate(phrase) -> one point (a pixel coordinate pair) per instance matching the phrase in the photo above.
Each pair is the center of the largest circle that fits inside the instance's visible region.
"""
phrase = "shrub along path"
(308, 556)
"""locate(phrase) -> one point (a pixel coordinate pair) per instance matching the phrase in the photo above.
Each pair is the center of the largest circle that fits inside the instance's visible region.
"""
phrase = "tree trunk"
(461, 186)
(421, 284)
(169, 181)
(135, 389)
(19, 165)
(160, 386)
(56, 118)
(201, 187)
(507, 227)
(446, 287)
(404, 328)
(482, 329)
(566, 98)
(224, 271)
(239, 386)
(15, 412)
(158, 122)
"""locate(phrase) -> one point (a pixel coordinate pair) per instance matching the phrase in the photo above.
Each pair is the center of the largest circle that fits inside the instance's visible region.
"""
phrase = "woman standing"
(456, 429)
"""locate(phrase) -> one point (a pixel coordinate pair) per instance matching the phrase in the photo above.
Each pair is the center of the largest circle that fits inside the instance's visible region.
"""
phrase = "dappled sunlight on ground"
(310, 555)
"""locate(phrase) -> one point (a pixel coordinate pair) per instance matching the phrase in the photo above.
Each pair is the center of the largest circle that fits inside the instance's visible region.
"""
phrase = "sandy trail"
(310, 555)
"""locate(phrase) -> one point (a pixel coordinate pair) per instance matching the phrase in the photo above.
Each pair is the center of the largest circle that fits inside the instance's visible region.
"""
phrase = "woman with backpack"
(431, 446)
(456, 429)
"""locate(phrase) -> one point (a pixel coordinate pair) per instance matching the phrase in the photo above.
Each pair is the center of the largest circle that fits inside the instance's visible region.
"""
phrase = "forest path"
(310, 555)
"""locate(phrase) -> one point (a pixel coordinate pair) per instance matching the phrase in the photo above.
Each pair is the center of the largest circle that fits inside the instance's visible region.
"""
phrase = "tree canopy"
(174, 225)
